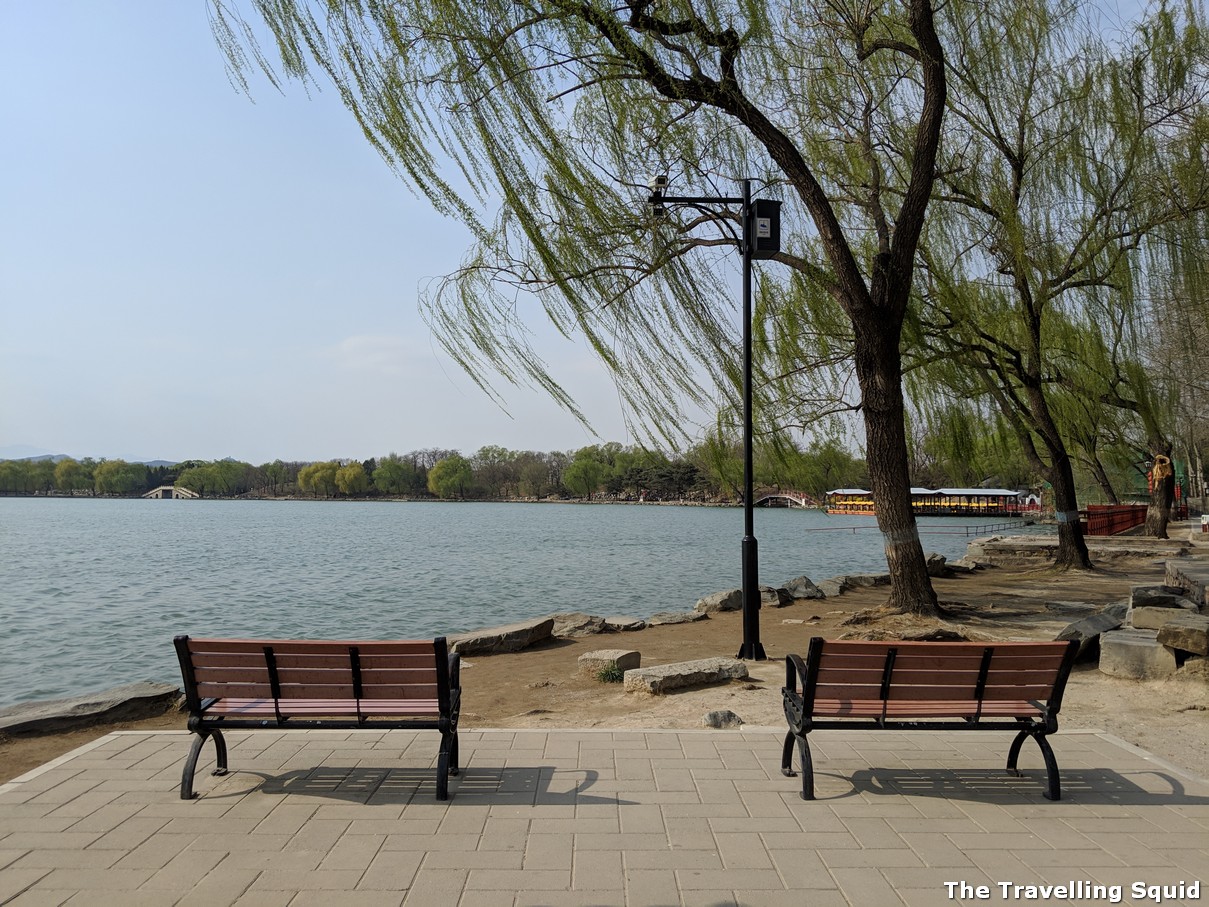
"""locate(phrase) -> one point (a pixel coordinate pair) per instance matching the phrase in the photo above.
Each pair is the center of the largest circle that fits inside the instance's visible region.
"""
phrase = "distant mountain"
(28, 452)
(37, 455)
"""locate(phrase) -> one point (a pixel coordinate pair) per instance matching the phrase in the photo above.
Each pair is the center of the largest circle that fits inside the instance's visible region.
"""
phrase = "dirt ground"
(542, 688)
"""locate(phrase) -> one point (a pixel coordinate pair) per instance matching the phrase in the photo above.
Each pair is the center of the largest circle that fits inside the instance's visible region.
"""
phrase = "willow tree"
(538, 122)
(1064, 154)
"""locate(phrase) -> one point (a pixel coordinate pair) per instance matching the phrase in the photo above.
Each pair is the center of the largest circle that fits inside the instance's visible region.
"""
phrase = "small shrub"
(610, 673)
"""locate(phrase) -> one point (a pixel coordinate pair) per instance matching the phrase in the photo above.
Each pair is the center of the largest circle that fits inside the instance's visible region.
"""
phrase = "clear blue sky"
(185, 272)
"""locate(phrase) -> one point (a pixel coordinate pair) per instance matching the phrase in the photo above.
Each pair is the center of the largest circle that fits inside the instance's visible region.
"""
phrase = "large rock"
(576, 624)
(722, 718)
(508, 638)
(834, 586)
(618, 623)
(802, 587)
(665, 678)
(868, 579)
(1135, 654)
(124, 703)
(730, 600)
(1088, 630)
(936, 564)
(774, 598)
(1186, 632)
(675, 617)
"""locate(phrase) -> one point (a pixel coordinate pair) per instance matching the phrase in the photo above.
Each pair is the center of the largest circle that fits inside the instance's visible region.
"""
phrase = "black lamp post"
(761, 238)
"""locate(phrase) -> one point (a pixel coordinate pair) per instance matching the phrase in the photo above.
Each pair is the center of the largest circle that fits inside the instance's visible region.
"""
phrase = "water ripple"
(92, 592)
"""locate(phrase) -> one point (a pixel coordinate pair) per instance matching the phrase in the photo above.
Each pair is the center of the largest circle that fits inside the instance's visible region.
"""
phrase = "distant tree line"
(710, 471)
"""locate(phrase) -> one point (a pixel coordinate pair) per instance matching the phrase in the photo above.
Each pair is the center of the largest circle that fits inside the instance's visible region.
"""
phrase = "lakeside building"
(938, 502)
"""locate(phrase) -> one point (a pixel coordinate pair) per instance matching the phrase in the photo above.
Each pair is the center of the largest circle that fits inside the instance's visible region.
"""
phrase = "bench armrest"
(795, 674)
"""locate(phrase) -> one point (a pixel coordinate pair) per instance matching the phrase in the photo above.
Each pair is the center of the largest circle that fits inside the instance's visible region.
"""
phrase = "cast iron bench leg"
(220, 755)
(807, 763)
(446, 765)
(1053, 785)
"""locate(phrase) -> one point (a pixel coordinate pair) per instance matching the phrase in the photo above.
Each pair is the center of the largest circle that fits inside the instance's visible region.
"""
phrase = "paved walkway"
(567, 817)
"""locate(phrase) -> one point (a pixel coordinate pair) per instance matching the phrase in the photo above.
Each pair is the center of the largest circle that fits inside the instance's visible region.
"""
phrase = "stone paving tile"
(588, 817)
(42, 898)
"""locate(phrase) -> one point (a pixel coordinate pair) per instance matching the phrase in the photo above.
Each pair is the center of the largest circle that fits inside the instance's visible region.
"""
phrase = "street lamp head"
(658, 183)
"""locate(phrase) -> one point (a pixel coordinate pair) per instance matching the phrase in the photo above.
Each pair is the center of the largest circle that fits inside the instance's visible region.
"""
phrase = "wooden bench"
(255, 684)
(943, 686)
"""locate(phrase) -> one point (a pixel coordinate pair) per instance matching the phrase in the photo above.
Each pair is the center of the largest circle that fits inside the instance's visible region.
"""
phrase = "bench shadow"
(520, 786)
(1085, 786)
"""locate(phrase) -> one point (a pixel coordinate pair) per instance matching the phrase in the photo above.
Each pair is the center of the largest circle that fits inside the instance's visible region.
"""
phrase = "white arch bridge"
(784, 498)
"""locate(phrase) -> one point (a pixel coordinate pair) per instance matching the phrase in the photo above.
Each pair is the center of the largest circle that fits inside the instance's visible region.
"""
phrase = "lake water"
(92, 591)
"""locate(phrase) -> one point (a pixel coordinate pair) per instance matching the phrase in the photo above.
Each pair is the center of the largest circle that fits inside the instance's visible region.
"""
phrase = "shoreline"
(541, 687)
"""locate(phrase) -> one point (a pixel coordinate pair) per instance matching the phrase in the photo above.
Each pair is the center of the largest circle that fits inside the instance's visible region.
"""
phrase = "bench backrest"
(950, 671)
(283, 669)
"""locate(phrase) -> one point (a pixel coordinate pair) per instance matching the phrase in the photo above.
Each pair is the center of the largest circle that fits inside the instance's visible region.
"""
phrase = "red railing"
(1109, 519)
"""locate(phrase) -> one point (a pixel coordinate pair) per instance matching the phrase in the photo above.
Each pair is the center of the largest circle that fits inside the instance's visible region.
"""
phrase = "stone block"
(1158, 597)
(678, 676)
(730, 600)
(595, 662)
(1191, 575)
(1135, 654)
(1152, 618)
(936, 564)
(1186, 632)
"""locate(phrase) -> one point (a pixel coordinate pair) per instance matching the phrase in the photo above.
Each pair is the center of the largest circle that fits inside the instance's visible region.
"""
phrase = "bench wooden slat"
(313, 647)
(950, 693)
(837, 648)
(828, 673)
(260, 674)
(911, 662)
(345, 675)
(291, 691)
(864, 708)
(317, 662)
(298, 708)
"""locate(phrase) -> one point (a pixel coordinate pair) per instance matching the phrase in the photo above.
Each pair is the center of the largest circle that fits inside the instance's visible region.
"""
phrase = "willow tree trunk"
(1072, 546)
(878, 369)
(1102, 479)
(1162, 490)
